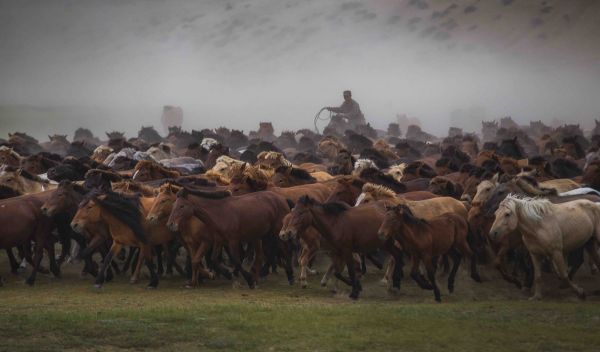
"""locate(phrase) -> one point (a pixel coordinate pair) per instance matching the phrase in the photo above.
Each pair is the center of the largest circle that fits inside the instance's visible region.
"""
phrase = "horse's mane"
(76, 187)
(532, 208)
(134, 187)
(531, 186)
(109, 175)
(408, 216)
(377, 176)
(203, 194)
(351, 180)
(295, 172)
(125, 208)
(32, 177)
(378, 191)
(335, 208)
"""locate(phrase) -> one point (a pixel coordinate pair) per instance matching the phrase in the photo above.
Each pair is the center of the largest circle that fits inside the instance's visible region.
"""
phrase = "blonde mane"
(534, 209)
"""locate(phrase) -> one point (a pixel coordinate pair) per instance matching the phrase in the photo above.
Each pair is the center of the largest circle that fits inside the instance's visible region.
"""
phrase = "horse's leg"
(389, 269)
(138, 267)
(465, 249)
(456, 259)
(308, 253)
(415, 274)
(114, 250)
(258, 259)
(14, 265)
(217, 259)
(146, 254)
(54, 267)
(200, 253)
(561, 269)
(39, 252)
(575, 261)
(363, 264)
(353, 279)
(398, 266)
(288, 261)
(499, 259)
(236, 259)
(327, 274)
(536, 260)
(132, 257)
(592, 250)
(159, 259)
(430, 267)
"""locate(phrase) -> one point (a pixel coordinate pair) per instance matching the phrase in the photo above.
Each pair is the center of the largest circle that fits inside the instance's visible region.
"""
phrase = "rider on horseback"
(350, 110)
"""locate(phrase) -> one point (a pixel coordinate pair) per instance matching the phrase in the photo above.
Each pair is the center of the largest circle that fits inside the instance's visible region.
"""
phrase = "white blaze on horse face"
(360, 199)
(135, 174)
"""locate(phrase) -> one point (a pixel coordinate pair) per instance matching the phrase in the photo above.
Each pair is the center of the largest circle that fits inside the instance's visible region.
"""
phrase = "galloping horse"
(426, 240)
(125, 218)
(347, 230)
(249, 218)
(550, 230)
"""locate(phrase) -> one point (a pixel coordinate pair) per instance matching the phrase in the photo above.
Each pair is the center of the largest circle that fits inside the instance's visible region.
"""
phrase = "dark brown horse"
(23, 223)
(427, 240)
(248, 219)
(287, 176)
(347, 230)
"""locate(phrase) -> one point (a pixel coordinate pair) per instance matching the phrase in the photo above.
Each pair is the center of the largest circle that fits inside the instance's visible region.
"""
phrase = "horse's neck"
(526, 227)
(324, 223)
(146, 204)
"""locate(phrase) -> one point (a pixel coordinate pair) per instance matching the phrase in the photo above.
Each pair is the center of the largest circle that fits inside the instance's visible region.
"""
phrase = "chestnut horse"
(347, 230)
(196, 236)
(125, 219)
(249, 218)
(427, 240)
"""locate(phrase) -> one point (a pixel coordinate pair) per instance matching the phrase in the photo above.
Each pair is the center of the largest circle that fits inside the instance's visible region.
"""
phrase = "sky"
(112, 65)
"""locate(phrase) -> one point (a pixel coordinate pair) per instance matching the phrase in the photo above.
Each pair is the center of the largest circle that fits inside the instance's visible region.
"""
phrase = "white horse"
(550, 230)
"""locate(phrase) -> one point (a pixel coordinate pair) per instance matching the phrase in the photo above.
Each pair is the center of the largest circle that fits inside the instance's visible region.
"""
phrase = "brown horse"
(146, 170)
(287, 176)
(125, 219)
(37, 164)
(24, 223)
(23, 182)
(427, 240)
(249, 218)
(347, 230)
(9, 157)
(196, 236)
(423, 208)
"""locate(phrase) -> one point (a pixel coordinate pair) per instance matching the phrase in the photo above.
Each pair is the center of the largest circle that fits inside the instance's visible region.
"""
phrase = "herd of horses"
(219, 204)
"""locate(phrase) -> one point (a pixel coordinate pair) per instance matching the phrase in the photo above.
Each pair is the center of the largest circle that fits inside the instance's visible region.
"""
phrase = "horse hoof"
(29, 281)
(98, 286)
(133, 282)
(353, 296)
(383, 282)
(323, 284)
(438, 300)
(535, 298)
(303, 284)
(291, 282)
(581, 295)
(476, 278)
(151, 287)
(451, 289)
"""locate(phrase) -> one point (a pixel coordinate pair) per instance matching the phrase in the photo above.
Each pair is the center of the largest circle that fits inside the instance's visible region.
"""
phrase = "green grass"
(68, 314)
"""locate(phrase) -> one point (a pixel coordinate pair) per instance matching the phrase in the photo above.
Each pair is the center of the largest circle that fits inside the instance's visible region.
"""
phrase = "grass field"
(68, 314)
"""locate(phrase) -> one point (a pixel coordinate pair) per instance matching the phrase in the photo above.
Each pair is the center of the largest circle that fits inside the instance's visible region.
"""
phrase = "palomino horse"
(347, 230)
(249, 218)
(550, 230)
(23, 182)
(125, 219)
(426, 240)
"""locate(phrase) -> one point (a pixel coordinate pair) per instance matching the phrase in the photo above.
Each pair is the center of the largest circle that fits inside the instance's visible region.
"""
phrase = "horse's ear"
(515, 139)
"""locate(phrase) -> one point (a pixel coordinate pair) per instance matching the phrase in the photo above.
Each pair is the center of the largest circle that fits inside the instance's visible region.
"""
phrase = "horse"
(9, 157)
(550, 230)
(196, 237)
(39, 163)
(27, 224)
(125, 219)
(347, 230)
(443, 186)
(146, 170)
(591, 176)
(23, 182)
(250, 218)
(286, 176)
(426, 240)
(422, 208)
